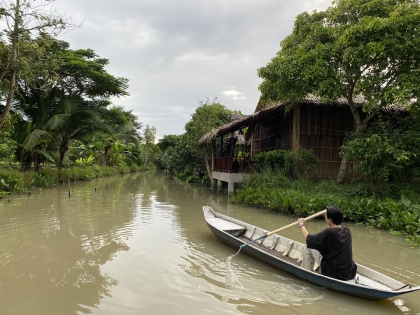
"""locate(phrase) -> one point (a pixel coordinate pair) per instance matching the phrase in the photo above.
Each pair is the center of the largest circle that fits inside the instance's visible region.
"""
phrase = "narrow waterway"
(138, 244)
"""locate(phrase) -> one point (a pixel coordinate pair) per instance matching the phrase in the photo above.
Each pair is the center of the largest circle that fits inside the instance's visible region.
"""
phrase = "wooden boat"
(285, 254)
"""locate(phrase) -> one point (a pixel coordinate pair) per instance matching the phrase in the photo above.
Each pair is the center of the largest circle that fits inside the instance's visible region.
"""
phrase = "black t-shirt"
(335, 246)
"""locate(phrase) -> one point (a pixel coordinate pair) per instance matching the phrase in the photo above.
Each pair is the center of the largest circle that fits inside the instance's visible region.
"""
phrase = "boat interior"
(294, 252)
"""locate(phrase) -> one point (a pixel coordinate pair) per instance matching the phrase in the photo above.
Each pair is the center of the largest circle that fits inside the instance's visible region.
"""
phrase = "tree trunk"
(61, 160)
(208, 168)
(10, 94)
(13, 57)
(64, 147)
(106, 153)
(37, 162)
(342, 171)
(26, 161)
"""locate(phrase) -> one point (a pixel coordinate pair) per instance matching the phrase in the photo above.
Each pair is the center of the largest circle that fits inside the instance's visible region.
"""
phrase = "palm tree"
(66, 124)
(122, 133)
(62, 103)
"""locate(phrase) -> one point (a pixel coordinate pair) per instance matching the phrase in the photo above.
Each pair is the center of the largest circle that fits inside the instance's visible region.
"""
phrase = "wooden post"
(213, 153)
(296, 128)
(232, 149)
(221, 146)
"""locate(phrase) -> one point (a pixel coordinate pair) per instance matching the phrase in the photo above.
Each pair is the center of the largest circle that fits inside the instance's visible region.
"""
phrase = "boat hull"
(269, 257)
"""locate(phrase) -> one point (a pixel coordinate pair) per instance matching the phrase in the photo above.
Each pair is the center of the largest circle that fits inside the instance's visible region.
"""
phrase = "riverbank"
(18, 182)
(398, 211)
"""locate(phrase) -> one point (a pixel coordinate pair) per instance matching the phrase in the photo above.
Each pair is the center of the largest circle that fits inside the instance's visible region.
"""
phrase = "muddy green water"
(138, 244)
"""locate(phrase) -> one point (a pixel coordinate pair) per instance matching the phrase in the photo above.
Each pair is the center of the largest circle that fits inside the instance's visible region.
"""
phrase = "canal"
(138, 244)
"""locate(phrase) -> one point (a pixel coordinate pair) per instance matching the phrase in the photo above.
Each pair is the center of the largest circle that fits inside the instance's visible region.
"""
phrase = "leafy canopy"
(355, 47)
(207, 116)
(182, 155)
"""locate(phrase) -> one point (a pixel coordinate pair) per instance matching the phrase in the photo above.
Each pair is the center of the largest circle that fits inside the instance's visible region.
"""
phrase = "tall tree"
(63, 100)
(8, 146)
(71, 125)
(176, 157)
(207, 116)
(22, 19)
(66, 123)
(149, 146)
(368, 48)
(122, 128)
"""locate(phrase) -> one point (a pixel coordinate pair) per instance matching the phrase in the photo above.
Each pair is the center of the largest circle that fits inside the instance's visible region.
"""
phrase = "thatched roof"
(314, 100)
(266, 110)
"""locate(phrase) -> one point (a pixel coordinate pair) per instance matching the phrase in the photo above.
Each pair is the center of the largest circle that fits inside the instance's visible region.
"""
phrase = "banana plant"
(85, 161)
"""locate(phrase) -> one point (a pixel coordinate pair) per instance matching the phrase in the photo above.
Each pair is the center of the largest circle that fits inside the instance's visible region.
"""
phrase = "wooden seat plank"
(225, 225)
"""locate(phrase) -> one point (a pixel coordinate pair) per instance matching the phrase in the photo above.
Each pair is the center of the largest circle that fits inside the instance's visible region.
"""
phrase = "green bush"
(45, 178)
(16, 182)
(8, 148)
(274, 191)
(303, 164)
(386, 154)
(274, 160)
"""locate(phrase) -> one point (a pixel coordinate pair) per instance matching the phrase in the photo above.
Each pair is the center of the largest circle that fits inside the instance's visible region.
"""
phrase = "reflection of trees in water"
(173, 191)
(46, 274)
(51, 255)
(158, 188)
(53, 246)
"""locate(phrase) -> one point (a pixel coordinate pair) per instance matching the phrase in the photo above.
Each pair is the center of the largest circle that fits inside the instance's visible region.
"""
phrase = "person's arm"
(301, 223)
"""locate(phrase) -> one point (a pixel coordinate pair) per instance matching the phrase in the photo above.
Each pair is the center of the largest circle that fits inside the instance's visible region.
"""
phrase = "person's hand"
(301, 221)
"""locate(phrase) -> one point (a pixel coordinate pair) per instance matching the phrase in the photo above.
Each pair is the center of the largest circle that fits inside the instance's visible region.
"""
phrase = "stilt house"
(312, 124)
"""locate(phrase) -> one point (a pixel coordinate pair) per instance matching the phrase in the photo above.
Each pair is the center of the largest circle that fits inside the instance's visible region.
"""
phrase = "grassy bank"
(399, 212)
(17, 182)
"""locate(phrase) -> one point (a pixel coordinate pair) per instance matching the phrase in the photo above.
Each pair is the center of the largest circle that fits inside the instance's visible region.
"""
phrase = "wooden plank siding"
(272, 133)
(323, 129)
(319, 128)
(312, 123)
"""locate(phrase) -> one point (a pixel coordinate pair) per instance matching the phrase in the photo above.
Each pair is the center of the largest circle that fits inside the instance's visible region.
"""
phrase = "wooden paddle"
(282, 228)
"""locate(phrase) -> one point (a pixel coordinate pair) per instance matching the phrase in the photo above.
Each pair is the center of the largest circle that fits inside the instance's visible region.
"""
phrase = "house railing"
(228, 165)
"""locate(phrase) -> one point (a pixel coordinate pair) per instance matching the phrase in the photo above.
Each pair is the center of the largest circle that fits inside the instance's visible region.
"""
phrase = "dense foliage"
(280, 183)
(7, 148)
(365, 49)
(182, 155)
(56, 110)
(22, 57)
(387, 154)
(304, 164)
(355, 48)
(13, 181)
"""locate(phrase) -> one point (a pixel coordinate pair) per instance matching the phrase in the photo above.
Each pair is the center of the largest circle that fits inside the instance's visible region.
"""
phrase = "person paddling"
(334, 244)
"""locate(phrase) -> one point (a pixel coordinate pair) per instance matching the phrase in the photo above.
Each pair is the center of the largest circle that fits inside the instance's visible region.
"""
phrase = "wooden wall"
(273, 133)
(322, 129)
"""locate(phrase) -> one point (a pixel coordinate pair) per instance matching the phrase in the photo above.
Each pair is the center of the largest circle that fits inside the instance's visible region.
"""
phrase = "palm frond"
(57, 121)
(83, 115)
(35, 138)
(45, 154)
(67, 106)
(127, 139)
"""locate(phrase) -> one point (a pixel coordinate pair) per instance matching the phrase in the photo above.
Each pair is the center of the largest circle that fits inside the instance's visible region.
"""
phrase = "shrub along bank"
(399, 213)
(17, 182)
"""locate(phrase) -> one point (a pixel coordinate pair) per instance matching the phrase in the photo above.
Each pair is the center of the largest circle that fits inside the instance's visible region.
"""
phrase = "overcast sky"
(177, 52)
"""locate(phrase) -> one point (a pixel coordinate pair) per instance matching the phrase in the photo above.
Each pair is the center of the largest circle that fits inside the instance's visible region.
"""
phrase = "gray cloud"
(176, 53)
